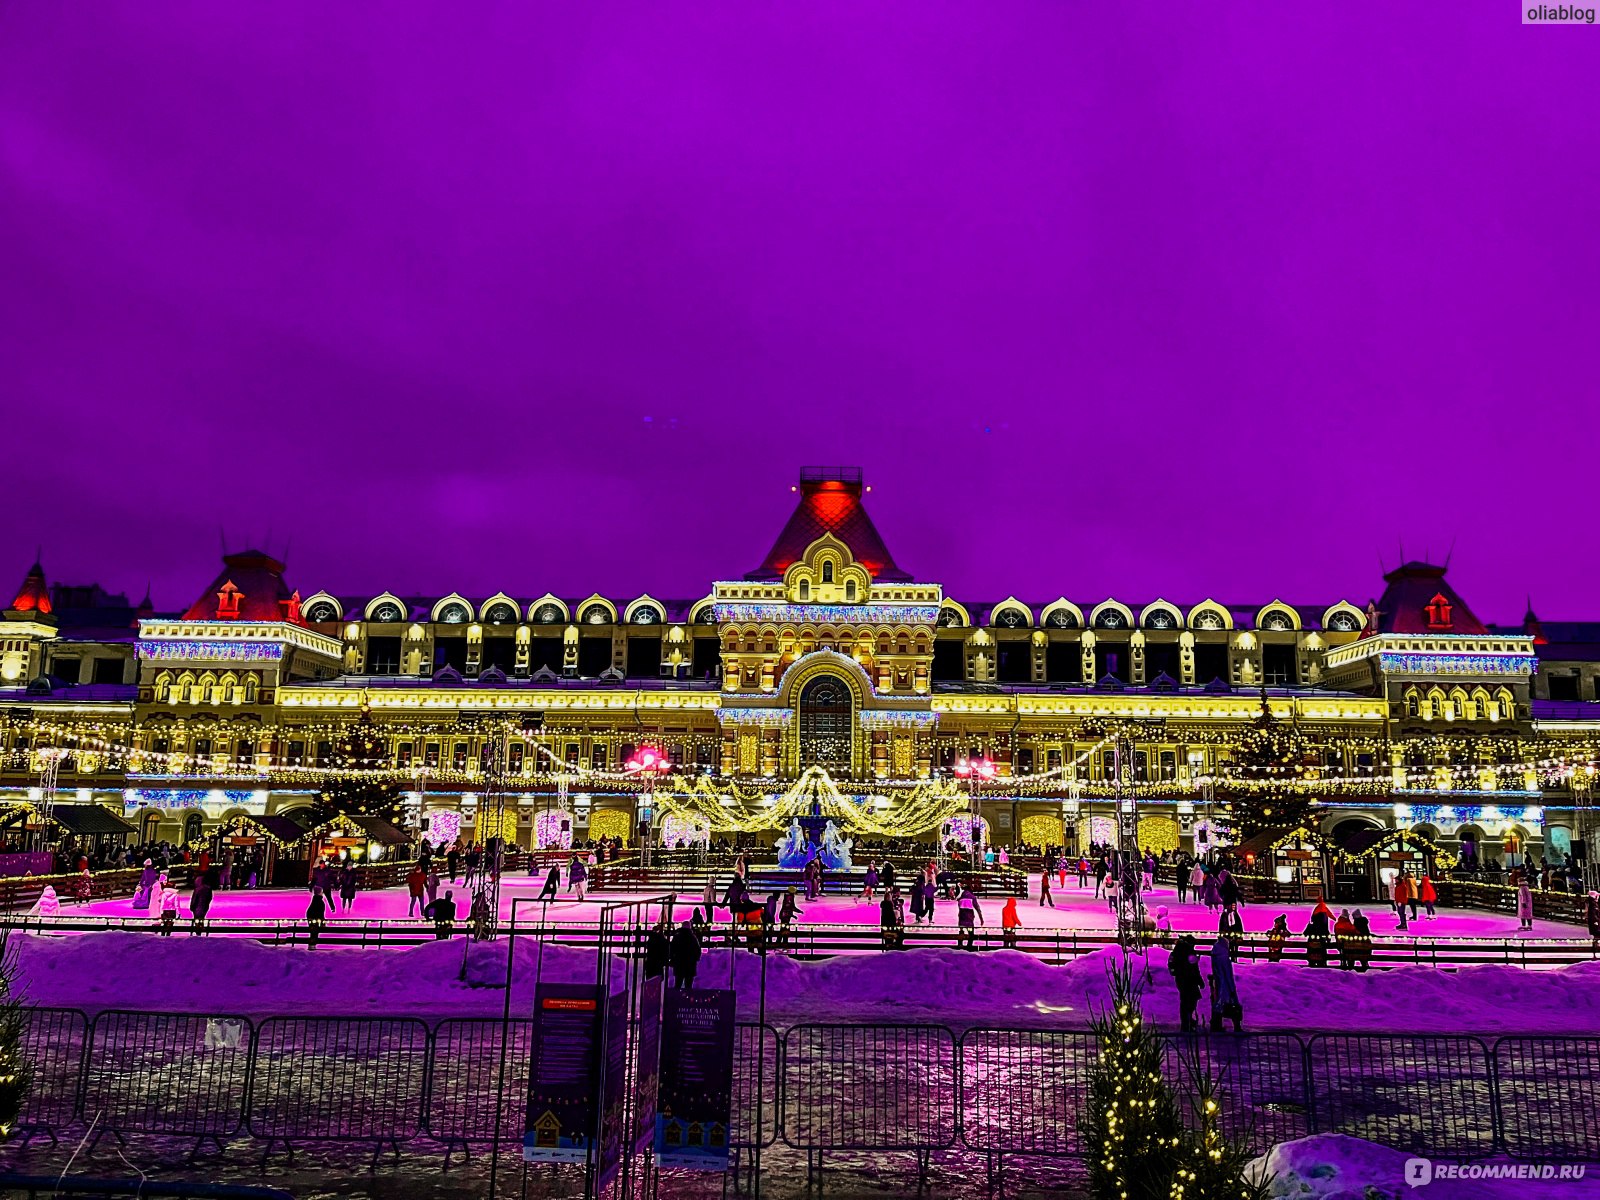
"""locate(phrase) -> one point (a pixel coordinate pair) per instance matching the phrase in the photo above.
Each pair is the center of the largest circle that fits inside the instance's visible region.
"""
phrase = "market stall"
(1285, 865)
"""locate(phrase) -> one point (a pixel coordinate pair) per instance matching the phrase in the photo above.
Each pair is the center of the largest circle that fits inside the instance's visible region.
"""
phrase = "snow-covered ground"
(456, 978)
(1330, 1166)
(1075, 909)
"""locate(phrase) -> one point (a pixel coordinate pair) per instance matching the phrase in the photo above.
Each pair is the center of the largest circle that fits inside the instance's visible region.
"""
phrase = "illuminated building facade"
(828, 655)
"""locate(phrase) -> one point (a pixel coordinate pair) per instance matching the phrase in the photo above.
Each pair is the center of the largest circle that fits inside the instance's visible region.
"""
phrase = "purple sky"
(1107, 299)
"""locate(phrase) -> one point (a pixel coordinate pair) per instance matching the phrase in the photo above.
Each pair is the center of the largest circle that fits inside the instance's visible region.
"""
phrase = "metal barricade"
(338, 1079)
(1260, 1082)
(1023, 1089)
(1549, 1094)
(181, 1074)
(465, 1080)
(1430, 1095)
(869, 1087)
(757, 1077)
(53, 1044)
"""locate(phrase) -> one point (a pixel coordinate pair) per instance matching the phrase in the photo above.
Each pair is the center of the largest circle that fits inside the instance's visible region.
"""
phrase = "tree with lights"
(15, 1073)
(359, 785)
(1267, 765)
(1209, 1166)
(1130, 1114)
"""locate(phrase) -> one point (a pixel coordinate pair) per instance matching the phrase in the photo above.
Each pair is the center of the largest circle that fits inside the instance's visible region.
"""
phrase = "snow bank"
(1330, 1166)
(134, 970)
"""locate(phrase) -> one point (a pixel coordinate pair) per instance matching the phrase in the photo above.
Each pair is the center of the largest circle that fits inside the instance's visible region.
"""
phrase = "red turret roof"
(1418, 600)
(830, 502)
(35, 594)
(250, 588)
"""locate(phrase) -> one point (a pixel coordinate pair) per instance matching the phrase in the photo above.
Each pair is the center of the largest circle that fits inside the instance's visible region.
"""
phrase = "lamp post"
(649, 763)
(975, 770)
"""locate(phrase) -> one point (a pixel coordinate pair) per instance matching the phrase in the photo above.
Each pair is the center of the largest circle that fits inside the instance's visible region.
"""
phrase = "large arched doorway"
(827, 725)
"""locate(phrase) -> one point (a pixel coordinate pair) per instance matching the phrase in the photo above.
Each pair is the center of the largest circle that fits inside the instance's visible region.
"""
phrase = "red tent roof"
(830, 502)
(249, 588)
(1418, 600)
(35, 595)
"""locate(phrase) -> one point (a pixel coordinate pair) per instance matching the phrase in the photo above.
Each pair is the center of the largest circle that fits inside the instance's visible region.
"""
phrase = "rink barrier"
(824, 1088)
(180, 1074)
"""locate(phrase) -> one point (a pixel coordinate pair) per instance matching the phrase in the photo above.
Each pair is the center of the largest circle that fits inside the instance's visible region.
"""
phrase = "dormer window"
(1437, 611)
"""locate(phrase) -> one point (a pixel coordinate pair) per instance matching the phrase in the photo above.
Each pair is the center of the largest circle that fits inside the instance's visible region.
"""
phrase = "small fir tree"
(16, 1074)
(1130, 1117)
(1210, 1165)
(1268, 762)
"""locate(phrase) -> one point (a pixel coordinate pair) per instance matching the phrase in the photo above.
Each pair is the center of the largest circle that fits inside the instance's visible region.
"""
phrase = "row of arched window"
(207, 687)
(1458, 704)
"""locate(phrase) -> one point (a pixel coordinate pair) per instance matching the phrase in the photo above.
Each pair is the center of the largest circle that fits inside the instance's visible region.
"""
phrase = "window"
(1280, 664)
(1563, 687)
(707, 658)
(547, 614)
(1062, 618)
(1010, 618)
(1014, 661)
(66, 670)
(1210, 663)
(949, 618)
(388, 612)
(431, 756)
(949, 660)
(163, 690)
(250, 689)
(596, 614)
(805, 591)
(107, 670)
(594, 655)
(644, 657)
(1208, 619)
(1344, 622)
(1110, 618)
(458, 756)
(322, 611)
(1063, 662)
(383, 656)
(1277, 620)
(455, 614)
(500, 614)
(647, 614)
(1161, 618)
(850, 589)
(827, 571)
(208, 692)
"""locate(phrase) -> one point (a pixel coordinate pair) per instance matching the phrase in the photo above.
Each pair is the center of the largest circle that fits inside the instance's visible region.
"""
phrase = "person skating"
(442, 912)
(1225, 1003)
(1400, 894)
(316, 915)
(1228, 893)
(685, 955)
(146, 890)
(1111, 892)
(1183, 880)
(788, 911)
(578, 877)
(886, 875)
(1524, 905)
(169, 909)
(347, 888)
(1045, 896)
(1429, 895)
(1100, 872)
(891, 921)
(1197, 879)
(1362, 939)
(1162, 925)
(1009, 923)
(552, 884)
(1183, 964)
(1230, 927)
(1344, 931)
(708, 899)
(1149, 883)
(452, 861)
(83, 885)
(969, 915)
(917, 909)
(1083, 871)
(870, 883)
(200, 903)
(1277, 938)
(481, 920)
(432, 887)
(416, 883)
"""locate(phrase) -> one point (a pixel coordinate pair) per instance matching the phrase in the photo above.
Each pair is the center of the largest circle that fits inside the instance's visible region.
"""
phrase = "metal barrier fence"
(818, 1088)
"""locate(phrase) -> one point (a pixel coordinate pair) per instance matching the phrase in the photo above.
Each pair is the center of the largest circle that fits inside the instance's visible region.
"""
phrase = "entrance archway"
(827, 725)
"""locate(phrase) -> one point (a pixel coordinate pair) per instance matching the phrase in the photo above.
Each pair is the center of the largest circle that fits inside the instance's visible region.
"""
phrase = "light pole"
(647, 762)
(975, 770)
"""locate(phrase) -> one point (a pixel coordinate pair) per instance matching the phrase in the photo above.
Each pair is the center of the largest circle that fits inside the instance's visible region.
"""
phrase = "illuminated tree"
(16, 1075)
(1267, 766)
(360, 783)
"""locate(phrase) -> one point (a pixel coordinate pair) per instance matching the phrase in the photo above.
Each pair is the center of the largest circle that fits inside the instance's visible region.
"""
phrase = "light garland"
(157, 651)
(869, 613)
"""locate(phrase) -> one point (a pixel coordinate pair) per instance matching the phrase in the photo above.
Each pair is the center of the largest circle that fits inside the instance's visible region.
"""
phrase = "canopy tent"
(89, 820)
(280, 827)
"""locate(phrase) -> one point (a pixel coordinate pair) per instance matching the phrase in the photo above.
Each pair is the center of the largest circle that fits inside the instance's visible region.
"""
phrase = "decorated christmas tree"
(1130, 1117)
(1210, 1167)
(1263, 789)
(15, 1073)
(361, 783)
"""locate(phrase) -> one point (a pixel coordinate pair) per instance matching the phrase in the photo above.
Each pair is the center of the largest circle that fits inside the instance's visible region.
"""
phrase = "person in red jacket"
(1429, 895)
(416, 881)
(1010, 923)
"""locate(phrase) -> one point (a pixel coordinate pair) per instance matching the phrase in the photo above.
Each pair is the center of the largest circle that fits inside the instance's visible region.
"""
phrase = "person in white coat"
(169, 909)
(48, 904)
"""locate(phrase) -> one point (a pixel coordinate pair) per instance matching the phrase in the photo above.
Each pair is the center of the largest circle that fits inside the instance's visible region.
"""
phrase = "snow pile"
(1330, 1166)
(455, 978)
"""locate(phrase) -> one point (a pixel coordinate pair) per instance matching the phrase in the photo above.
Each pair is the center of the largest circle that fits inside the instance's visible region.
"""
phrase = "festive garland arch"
(611, 823)
(1158, 834)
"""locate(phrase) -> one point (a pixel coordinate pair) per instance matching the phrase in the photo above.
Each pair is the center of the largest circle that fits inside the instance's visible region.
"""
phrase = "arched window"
(191, 828)
(163, 688)
(596, 614)
(185, 690)
(1062, 618)
(208, 692)
(849, 589)
(547, 614)
(388, 612)
(1010, 618)
(322, 611)
(1277, 620)
(1208, 619)
(949, 618)
(827, 571)
(826, 725)
(500, 613)
(1344, 621)
(1160, 618)
(1110, 618)
(455, 614)
(250, 689)
(646, 614)
(229, 692)
(1413, 703)
(805, 591)
(702, 615)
